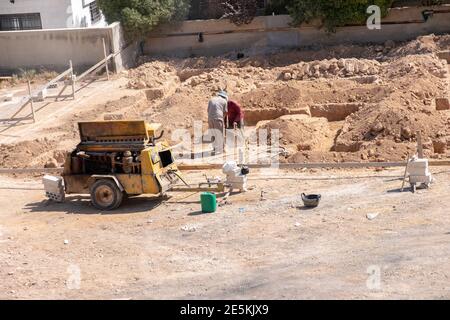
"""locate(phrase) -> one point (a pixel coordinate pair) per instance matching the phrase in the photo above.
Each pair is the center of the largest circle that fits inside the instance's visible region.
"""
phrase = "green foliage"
(332, 14)
(277, 7)
(240, 11)
(141, 16)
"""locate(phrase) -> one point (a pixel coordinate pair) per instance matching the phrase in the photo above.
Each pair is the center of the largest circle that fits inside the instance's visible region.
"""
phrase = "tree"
(332, 14)
(240, 11)
(141, 16)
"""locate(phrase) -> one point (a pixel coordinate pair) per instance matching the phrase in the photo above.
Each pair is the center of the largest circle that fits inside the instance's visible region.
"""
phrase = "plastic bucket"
(209, 202)
(311, 200)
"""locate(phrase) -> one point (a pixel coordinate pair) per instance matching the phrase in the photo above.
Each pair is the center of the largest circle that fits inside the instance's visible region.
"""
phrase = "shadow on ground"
(82, 205)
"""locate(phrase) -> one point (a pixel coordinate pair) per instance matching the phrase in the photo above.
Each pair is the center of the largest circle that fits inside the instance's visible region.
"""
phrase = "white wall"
(55, 14)
(81, 15)
(52, 49)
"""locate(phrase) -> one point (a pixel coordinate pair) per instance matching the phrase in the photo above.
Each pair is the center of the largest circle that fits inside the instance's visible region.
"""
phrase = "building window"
(26, 21)
(95, 12)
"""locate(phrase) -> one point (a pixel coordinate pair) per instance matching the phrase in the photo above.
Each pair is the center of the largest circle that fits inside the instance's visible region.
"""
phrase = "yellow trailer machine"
(117, 158)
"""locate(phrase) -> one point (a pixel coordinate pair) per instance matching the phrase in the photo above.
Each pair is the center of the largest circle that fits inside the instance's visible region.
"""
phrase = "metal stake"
(31, 101)
(106, 58)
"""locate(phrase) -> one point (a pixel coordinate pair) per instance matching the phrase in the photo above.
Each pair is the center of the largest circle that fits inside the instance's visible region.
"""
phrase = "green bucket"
(209, 202)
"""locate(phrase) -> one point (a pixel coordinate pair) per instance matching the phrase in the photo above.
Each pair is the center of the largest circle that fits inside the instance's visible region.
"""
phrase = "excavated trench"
(313, 128)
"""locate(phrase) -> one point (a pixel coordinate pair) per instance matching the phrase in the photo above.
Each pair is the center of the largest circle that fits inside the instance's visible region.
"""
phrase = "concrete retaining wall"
(220, 36)
(52, 49)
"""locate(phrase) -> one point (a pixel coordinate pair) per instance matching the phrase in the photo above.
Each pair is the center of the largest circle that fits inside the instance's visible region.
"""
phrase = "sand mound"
(152, 75)
(300, 132)
(31, 153)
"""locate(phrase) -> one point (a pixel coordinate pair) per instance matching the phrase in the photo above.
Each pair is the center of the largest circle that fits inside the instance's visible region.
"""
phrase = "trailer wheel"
(106, 195)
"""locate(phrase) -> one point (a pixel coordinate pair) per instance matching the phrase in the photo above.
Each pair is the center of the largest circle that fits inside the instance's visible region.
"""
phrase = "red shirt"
(235, 113)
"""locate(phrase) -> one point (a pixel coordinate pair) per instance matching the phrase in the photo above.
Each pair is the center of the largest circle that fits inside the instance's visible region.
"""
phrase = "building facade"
(49, 14)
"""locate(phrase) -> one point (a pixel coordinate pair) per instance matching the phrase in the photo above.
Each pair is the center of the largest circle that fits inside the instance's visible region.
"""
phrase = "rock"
(389, 44)
(377, 127)
(306, 69)
(371, 216)
(363, 68)
(51, 163)
(324, 66)
(349, 68)
(287, 76)
(189, 228)
(440, 146)
(303, 147)
(372, 71)
(140, 85)
(333, 69)
(154, 94)
(406, 133)
(66, 241)
(195, 81)
(442, 104)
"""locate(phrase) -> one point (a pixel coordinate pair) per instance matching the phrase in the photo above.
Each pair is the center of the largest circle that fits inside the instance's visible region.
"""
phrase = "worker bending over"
(235, 115)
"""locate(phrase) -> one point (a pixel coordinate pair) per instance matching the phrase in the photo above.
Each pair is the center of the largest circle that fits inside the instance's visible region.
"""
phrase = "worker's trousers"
(216, 132)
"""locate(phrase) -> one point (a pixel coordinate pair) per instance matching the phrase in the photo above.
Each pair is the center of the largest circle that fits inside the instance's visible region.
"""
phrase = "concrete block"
(418, 172)
(418, 167)
(54, 188)
(237, 179)
(51, 182)
(421, 179)
(40, 96)
(7, 97)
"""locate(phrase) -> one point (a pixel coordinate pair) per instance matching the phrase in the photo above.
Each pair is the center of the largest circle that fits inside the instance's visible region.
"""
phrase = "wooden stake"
(106, 58)
(419, 145)
(31, 101)
(72, 79)
(406, 172)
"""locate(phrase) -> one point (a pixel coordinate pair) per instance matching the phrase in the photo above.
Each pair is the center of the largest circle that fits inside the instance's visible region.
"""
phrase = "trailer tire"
(106, 195)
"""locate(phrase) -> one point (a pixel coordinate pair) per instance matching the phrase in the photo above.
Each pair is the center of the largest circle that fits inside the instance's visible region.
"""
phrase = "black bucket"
(311, 200)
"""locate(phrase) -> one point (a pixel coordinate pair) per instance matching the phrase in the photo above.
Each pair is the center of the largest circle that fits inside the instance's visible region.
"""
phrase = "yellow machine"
(117, 158)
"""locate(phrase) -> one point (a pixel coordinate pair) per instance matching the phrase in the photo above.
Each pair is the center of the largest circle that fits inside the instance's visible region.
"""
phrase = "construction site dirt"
(366, 239)
(252, 248)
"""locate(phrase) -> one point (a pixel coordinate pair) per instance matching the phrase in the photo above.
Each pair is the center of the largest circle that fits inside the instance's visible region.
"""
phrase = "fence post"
(419, 145)
(106, 58)
(31, 101)
(72, 79)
